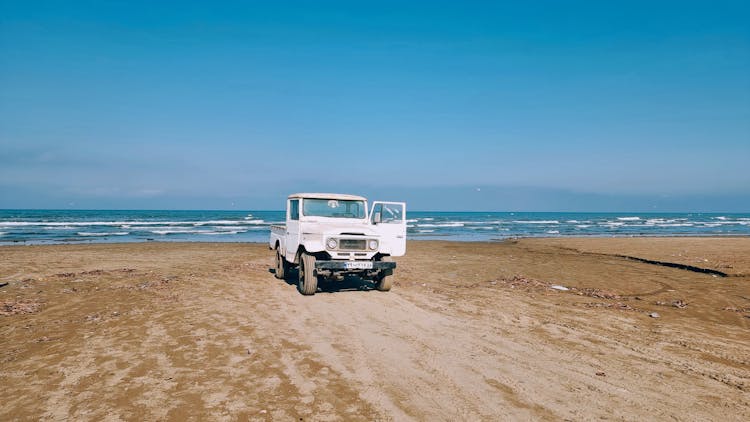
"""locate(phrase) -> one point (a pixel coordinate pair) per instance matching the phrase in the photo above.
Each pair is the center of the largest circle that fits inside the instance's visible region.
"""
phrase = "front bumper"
(344, 265)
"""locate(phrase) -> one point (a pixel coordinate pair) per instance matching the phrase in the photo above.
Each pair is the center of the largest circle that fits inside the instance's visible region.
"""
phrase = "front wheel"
(308, 280)
(384, 282)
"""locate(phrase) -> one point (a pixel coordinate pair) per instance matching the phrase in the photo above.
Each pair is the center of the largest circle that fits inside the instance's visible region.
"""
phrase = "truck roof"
(339, 196)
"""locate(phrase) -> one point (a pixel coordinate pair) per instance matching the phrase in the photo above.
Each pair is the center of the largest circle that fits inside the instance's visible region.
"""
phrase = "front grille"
(352, 244)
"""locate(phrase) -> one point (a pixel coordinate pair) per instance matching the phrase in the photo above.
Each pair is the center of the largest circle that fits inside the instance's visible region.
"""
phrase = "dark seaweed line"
(676, 265)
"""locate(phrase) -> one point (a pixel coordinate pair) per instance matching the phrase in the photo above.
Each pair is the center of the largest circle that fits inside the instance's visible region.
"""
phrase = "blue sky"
(538, 106)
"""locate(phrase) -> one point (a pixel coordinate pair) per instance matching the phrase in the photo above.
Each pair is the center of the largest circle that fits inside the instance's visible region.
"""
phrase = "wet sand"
(470, 331)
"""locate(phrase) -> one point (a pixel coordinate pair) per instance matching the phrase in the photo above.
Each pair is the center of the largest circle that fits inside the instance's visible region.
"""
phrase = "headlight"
(332, 243)
(373, 244)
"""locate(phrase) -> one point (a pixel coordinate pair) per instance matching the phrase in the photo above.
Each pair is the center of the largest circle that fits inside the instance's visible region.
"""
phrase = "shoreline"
(425, 239)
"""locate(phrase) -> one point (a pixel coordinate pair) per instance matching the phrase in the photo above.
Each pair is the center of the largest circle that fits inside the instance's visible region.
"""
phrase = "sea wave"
(165, 232)
(126, 223)
(103, 234)
(258, 221)
(452, 224)
(628, 218)
(188, 231)
(226, 222)
(536, 221)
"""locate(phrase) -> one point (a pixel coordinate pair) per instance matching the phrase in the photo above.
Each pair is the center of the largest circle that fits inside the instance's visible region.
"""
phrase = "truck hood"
(330, 228)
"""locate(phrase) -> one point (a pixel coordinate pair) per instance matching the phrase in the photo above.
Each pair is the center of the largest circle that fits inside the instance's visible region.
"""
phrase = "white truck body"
(339, 235)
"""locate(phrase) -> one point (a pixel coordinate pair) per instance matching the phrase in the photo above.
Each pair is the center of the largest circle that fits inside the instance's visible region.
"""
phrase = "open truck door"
(389, 218)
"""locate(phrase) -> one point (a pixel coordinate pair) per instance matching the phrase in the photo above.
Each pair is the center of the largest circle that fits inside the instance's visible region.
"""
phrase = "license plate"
(358, 265)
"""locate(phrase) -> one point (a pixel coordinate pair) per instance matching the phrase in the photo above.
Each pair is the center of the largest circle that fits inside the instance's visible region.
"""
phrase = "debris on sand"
(601, 374)
(93, 317)
(94, 272)
(531, 285)
(598, 293)
(617, 305)
(654, 315)
(518, 281)
(735, 309)
(19, 307)
(679, 304)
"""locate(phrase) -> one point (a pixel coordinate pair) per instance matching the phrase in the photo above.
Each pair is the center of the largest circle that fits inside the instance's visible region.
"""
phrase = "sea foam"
(103, 234)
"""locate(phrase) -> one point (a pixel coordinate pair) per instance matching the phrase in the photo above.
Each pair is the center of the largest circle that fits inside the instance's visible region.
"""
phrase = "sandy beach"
(533, 329)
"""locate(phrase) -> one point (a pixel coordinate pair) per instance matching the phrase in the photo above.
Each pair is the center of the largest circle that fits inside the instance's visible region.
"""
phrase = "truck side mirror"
(376, 218)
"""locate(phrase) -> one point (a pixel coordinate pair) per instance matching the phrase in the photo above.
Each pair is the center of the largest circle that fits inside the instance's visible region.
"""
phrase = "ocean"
(92, 226)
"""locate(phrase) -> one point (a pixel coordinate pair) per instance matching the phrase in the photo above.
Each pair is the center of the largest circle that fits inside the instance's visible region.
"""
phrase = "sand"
(470, 331)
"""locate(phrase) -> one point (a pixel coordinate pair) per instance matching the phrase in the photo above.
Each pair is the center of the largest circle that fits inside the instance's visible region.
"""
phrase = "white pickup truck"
(329, 236)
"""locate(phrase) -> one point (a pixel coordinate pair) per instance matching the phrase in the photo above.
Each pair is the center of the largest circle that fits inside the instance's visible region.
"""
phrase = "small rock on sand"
(654, 315)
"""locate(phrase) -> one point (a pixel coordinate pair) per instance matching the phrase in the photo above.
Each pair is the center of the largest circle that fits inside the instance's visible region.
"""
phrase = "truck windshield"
(333, 208)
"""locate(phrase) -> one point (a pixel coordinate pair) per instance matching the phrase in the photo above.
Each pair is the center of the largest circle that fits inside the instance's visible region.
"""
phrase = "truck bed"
(278, 233)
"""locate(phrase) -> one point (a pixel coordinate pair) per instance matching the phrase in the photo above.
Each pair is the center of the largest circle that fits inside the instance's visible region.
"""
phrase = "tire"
(282, 267)
(384, 282)
(308, 280)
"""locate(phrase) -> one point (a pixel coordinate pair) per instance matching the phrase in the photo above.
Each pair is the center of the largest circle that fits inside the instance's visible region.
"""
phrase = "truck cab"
(329, 236)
